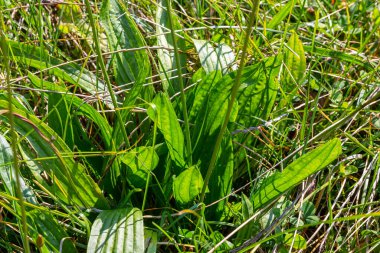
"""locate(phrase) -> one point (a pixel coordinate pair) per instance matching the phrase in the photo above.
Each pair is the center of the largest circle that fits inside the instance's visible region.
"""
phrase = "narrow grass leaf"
(308, 164)
(187, 185)
(163, 114)
(80, 107)
(338, 55)
(281, 15)
(71, 182)
(73, 73)
(119, 230)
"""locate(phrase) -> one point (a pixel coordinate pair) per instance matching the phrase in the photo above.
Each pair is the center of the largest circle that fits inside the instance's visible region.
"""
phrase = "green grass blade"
(70, 178)
(326, 52)
(80, 106)
(73, 73)
(119, 230)
(281, 15)
(308, 164)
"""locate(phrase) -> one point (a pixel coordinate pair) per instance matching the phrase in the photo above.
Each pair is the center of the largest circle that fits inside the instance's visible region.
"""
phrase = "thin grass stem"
(234, 91)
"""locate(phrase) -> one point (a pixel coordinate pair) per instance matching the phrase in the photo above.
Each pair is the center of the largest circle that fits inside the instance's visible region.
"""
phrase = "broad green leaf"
(69, 72)
(150, 241)
(255, 99)
(187, 185)
(163, 114)
(296, 241)
(247, 212)
(167, 61)
(295, 61)
(201, 91)
(71, 182)
(119, 230)
(220, 183)
(123, 33)
(140, 162)
(258, 92)
(220, 58)
(308, 164)
(8, 173)
(52, 232)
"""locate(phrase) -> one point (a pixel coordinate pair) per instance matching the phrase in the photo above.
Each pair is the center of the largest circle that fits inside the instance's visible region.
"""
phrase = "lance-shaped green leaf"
(8, 173)
(123, 34)
(70, 182)
(295, 61)
(119, 230)
(54, 236)
(220, 58)
(281, 15)
(71, 72)
(308, 164)
(187, 185)
(258, 92)
(140, 162)
(163, 114)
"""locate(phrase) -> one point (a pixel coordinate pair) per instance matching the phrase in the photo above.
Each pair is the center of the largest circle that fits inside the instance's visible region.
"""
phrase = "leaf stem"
(234, 91)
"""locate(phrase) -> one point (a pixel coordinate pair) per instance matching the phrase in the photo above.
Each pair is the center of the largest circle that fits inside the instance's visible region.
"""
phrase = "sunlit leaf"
(119, 230)
(187, 185)
(308, 164)
(295, 61)
(168, 64)
(296, 241)
(140, 162)
(71, 182)
(163, 114)
(220, 58)
(71, 72)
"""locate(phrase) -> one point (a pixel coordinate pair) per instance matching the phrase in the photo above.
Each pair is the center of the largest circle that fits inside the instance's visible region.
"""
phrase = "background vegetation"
(189, 126)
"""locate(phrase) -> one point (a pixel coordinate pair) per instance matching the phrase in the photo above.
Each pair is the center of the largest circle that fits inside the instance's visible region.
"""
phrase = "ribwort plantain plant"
(179, 126)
